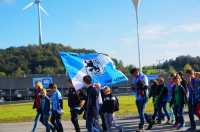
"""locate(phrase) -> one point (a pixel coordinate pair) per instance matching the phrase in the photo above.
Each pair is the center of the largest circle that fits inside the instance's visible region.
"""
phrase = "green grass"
(23, 112)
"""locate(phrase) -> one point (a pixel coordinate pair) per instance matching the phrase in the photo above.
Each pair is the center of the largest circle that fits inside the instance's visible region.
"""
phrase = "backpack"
(116, 104)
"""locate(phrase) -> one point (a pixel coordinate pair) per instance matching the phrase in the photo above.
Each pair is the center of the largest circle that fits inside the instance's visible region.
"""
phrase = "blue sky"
(168, 28)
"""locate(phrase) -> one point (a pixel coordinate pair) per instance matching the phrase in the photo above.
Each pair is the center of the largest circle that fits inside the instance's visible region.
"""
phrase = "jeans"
(74, 120)
(44, 119)
(157, 112)
(102, 119)
(164, 106)
(103, 122)
(191, 107)
(56, 121)
(91, 123)
(109, 121)
(171, 113)
(37, 118)
(140, 107)
(178, 111)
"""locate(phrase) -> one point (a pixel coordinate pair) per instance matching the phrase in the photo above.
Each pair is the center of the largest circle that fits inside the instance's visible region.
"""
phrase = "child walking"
(110, 105)
(45, 110)
(178, 101)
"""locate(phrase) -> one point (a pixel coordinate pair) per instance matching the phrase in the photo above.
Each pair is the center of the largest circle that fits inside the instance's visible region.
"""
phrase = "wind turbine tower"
(39, 10)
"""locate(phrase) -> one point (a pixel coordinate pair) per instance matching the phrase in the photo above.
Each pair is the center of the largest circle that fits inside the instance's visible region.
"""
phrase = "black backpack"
(116, 104)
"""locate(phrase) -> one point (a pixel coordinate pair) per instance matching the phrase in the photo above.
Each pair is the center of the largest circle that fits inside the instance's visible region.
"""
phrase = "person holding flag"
(92, 105)
(76, 103)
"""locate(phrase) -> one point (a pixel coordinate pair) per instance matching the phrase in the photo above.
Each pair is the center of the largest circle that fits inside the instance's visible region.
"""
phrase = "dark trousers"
(56, 121)
(157, 111)
(164, 107)
(102, 119)
(178, 112)
(44, 119)
(74, 120)
(191, 107)
(91, 124)
(103, 122)
(140, 107)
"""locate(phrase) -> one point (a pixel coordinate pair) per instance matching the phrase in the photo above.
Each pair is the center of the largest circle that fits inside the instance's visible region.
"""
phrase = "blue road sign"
(44, 80)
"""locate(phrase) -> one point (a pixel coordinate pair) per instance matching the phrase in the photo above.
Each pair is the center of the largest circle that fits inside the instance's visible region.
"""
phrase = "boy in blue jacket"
(45, 110)
(57, 108)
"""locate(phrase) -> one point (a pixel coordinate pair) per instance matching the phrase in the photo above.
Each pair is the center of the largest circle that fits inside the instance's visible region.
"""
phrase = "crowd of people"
(92, 102)
(46, 106)
(170, 96)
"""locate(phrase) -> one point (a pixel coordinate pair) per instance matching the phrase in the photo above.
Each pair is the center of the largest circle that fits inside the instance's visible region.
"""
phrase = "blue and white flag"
(99, 66)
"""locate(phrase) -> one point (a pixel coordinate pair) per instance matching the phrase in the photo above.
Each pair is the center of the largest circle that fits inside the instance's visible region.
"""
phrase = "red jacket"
(36, 104)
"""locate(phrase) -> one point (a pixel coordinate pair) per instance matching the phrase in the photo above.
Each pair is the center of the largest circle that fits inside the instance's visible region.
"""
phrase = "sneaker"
(150, 126)
(180, 127)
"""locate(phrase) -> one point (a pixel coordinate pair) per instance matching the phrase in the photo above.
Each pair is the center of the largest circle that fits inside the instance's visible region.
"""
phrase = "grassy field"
(23, 112)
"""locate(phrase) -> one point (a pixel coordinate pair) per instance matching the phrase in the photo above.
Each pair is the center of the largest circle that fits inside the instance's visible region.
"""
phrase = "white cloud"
(154, 31)
(160, 31)
(179, 45)
(193, 27)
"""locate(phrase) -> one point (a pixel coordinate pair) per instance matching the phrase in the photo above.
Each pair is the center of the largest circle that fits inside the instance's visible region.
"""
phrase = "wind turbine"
(39, 9)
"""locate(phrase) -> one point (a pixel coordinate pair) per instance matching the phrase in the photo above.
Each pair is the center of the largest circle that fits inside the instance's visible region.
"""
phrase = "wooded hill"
(44, 59)
(34, 59)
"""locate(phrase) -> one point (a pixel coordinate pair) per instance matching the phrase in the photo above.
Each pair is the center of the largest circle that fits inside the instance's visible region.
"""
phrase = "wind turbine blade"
(44, 11)
(28, 6)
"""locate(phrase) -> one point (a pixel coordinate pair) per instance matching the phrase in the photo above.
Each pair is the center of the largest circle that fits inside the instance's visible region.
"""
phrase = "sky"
(168, 28)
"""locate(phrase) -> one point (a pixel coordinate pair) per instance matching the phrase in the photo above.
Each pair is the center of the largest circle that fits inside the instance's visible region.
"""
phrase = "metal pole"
(39, 24)
(138, 41)
(10, 95)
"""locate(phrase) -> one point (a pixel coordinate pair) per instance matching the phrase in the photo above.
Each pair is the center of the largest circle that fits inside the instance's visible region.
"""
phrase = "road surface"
(130, 124)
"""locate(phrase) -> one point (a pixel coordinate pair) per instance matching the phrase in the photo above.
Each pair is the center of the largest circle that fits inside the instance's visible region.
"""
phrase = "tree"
(172, 70)
(19, 72)
(2, 74)
(48, 70)
(35, 59)
(187, 67)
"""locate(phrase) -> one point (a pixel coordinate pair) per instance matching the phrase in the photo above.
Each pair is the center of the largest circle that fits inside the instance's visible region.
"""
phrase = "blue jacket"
(57, 103)
(194, 91)
(140, 84)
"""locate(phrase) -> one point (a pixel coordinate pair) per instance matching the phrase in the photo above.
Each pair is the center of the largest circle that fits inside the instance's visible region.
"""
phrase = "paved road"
(128, 123)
